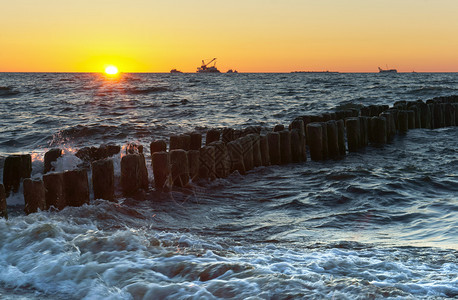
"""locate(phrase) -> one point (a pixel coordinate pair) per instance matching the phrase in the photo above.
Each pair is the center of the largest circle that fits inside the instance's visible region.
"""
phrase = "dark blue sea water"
(379, 224)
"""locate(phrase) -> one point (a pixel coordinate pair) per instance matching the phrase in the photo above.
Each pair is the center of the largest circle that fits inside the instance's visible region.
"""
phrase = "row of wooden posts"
(326, 136)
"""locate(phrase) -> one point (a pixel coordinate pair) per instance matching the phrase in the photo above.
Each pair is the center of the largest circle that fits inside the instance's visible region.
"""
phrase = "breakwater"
(316, 137)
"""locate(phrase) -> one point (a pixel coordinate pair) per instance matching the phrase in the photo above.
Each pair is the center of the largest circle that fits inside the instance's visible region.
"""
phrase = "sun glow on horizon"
(111, 70)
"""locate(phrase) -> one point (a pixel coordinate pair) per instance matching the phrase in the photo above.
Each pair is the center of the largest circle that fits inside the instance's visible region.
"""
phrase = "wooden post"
(157, 146)
(341, 136)
(273, 139)
(353, 134)
(103, 179)
(378, 127)
(333, 139)
(193, 164)
(315, 141)
(51, 156)
(285, 147)
(247, 148)
(161, 170)
(403, 121)
(76, 187)
(34, 195)
(196, 141)
(15, 168)
(179, 167)
(213, 135)
(55, 190)
(3, 209)
(207, 163)
(257, 159)
(236, 156)
(264, 146)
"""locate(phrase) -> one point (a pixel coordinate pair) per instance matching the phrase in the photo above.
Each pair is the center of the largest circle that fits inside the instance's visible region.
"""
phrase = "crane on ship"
(204, 68)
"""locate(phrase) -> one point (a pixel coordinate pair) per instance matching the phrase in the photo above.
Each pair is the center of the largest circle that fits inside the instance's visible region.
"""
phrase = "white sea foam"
(55, 256)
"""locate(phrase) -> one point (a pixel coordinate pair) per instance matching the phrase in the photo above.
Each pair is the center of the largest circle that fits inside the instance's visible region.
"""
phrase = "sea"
(381, 223)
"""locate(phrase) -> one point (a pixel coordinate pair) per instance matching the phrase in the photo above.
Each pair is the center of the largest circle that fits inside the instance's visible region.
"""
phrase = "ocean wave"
(431, 91)
(147, 90)
(7, 91)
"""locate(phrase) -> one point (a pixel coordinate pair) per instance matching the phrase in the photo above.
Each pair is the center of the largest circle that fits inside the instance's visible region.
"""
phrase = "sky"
(246, 35)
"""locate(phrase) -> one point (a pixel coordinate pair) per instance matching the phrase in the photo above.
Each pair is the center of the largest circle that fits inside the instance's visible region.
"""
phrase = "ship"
(205, 68)
(175, 71)
(231, 71)
(380, 70)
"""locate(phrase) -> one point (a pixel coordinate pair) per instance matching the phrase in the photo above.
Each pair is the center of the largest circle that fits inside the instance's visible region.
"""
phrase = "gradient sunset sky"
(248, 35)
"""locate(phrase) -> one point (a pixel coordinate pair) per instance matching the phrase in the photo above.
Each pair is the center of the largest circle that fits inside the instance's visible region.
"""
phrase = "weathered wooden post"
(247, 147)
(134, 174)
(133, 148)
(315, 141)
(34, 195)
(425, 115)
(76, 187)
(51, 156)
(175, 142)
(378, 127)
(103, 181)
(353, 134)
(157, 146)
(285, 147)
(390, 124)
(296, 151)
(333, 139)
(227, 135)
(236, 156)
(449, 116)
(3, 209)
(364, 131)
(324, 132)
(15, 168)
(55, 190)
(438, 116)
(222, 160)
(273, 139)
(207, 163)
(403, 121)
(257, 159)
(193, 164)
(341, 136)
(264, 146)
(298, 124)
(161, 170)
(455, 105)
(279, 127)
(417, 114)
(411, 119)
(213, 135)
(179, 167)
(431, 109)
(196, 141)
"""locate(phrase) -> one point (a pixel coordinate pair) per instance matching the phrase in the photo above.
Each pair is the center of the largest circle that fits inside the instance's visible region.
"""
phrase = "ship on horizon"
(205, 68)
(380, 70)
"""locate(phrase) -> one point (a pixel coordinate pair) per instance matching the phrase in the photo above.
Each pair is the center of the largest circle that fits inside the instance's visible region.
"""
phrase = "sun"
(111, 70)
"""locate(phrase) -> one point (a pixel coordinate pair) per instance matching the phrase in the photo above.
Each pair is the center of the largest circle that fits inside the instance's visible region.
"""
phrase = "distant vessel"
(380, 70)
(175, 71)
(204, 68)
(231, 71)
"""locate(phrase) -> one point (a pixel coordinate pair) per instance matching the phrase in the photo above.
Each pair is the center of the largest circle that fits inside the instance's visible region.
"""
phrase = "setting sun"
(111, 70)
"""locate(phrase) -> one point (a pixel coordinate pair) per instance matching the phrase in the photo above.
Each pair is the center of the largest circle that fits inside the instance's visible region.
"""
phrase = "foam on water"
(56, 255)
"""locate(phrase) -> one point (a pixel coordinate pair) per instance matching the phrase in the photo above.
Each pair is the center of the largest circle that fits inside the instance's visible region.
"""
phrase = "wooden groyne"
(316, 137)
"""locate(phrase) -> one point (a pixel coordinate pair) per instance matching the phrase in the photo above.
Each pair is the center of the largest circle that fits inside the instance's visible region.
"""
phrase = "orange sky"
(248, 35)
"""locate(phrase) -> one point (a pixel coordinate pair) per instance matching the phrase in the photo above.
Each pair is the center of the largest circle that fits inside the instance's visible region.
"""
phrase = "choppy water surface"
(381, 223)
